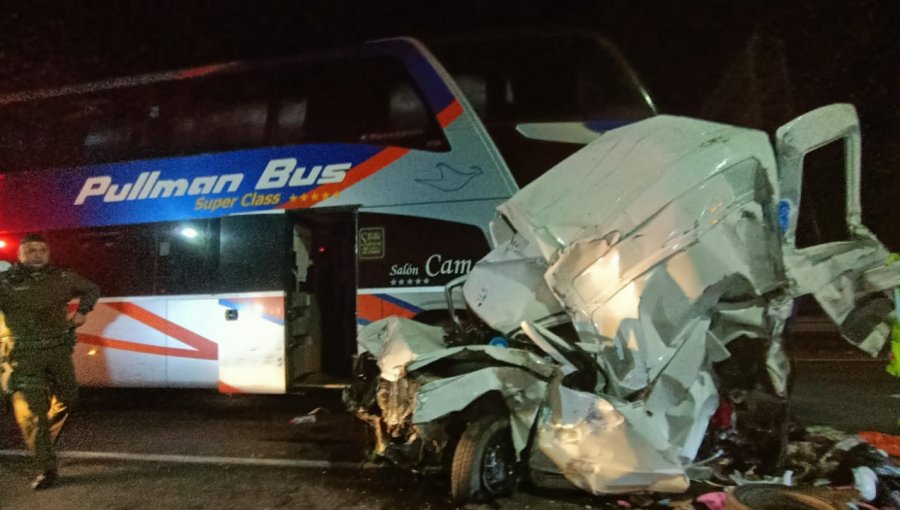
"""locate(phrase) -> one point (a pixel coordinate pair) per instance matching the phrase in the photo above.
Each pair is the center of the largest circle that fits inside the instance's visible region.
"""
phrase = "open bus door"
(320, 326)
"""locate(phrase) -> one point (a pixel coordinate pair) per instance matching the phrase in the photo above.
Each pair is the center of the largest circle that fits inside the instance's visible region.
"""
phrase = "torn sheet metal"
(603, 447)
(840, 274)
(522, 391)
(507, 286)
(662, 241)
(396, 342)
(643, 231)
(516, 357)
(840, 279)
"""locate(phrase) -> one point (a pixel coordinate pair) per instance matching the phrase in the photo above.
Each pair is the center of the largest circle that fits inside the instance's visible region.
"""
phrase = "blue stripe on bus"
(433, 87)
(23, 196)
(399, 302)
(603, 125)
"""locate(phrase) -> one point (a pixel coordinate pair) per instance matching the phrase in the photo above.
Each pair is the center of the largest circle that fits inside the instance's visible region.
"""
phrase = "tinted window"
(353, 100)
(121, 260)
(70, 131)
(403, 251)
(510, 80)
(251, 252)
(542, 79)
(187, 258)
(209, 114)
(341, 100)
(234, 254)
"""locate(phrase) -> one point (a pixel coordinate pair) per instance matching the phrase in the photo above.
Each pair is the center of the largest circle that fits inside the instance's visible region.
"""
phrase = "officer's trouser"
(43, 391)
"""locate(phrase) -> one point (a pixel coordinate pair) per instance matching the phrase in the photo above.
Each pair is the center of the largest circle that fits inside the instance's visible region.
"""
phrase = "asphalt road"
(154, 449)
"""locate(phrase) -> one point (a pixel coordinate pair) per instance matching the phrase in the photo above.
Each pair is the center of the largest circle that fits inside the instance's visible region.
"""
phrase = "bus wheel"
(484, 463)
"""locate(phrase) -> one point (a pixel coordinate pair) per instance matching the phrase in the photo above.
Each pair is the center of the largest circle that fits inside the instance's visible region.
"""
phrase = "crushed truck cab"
(617, 282)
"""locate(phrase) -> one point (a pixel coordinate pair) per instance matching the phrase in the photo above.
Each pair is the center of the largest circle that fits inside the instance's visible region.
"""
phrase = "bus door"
(320, 325)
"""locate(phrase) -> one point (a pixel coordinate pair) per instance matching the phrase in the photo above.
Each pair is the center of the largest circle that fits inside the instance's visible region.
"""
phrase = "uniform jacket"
(34, 302)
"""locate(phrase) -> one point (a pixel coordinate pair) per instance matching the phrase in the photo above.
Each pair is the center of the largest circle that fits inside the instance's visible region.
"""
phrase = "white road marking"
(195, 459)
(842, 360)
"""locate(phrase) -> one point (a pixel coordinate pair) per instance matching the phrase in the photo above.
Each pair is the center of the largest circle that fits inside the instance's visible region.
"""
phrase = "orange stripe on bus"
(369, 307)
(358, 173)
(228, 390)
(124, 345)
(450, 113)
(206, 348)
(392, 309)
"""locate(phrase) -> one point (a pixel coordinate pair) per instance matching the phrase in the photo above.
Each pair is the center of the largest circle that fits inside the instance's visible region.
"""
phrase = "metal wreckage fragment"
(618, 279)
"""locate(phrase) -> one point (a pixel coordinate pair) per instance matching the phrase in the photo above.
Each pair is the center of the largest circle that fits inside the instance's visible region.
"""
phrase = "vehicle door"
(840, 262)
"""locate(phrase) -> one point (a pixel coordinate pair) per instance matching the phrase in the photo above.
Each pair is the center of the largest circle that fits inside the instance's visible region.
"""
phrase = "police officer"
(36, 347)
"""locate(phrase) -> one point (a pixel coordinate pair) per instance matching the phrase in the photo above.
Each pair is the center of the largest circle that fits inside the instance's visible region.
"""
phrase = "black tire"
(484, 463)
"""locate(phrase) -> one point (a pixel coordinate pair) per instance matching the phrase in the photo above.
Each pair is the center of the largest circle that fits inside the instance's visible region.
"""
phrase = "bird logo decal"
(451, 179)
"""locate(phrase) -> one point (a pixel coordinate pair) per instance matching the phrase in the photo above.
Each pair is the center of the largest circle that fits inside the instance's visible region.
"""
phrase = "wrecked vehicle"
(619, 283)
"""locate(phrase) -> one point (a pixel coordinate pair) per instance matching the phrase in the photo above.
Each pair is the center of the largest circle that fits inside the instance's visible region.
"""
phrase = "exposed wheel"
(484, 463)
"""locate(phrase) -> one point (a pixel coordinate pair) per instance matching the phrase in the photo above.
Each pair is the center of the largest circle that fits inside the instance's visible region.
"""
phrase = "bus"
(244, 219)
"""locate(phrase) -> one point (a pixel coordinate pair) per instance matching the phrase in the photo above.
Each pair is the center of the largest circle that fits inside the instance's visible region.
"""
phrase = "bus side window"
(120, 259)
(215, 113)
(475, 88)
(95, 127)
(353, 100)
(406, 112)
(187, 257)
(108, 126)
(290, 121)
(18, 137)
(248, 257)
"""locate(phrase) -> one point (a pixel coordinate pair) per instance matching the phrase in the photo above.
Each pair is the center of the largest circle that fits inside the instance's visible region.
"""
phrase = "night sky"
(753, 63)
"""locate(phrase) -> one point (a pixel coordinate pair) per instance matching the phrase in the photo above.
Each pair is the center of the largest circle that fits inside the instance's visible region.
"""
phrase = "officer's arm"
(4, 293)
(86, 291)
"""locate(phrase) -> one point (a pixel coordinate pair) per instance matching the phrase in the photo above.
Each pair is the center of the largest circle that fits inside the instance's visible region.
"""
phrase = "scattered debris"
(888, 443)
(713, 500)
(310, 417)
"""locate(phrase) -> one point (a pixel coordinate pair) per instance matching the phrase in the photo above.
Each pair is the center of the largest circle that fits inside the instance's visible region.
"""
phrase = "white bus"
(244, 219)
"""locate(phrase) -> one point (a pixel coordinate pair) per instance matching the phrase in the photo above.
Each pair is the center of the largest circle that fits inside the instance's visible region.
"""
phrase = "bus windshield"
(544, 77)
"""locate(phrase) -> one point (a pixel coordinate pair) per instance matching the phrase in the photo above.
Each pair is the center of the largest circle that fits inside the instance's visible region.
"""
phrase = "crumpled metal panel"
(648, 233)
(516, 357)
(507, 286)
(643, 231)
(662, 241)
(841, 277)
(395, 342)
(404, 346)
(523, 392)
(606, 447)
(629, 176)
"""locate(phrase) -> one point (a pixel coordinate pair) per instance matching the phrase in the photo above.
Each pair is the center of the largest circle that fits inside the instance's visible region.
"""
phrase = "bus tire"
(484, 462)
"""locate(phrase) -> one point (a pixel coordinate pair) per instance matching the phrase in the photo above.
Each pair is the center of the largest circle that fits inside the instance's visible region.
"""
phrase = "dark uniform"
(36, 345)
